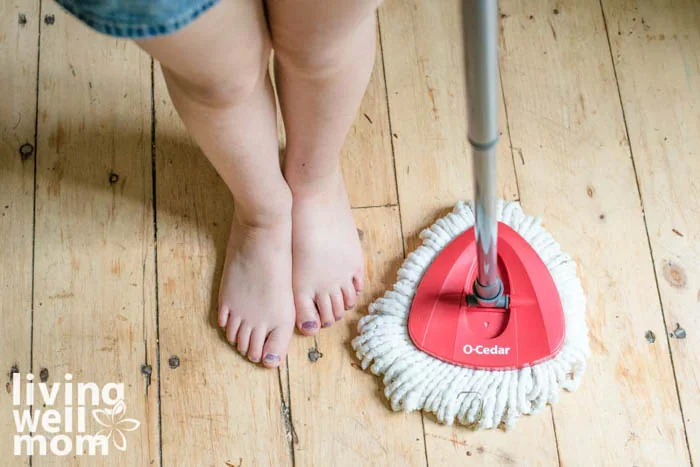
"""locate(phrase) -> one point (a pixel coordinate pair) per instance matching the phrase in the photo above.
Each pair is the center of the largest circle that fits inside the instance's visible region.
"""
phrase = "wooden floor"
(113, 231)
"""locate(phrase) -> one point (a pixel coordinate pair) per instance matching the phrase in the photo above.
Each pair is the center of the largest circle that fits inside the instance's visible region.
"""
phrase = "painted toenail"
(309, 325)
(358, 292)
(326, 324)
(271, 358)
(255, 360)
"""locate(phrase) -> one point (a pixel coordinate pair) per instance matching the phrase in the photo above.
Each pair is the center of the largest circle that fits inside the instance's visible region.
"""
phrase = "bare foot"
(256, 305)
(328, 264)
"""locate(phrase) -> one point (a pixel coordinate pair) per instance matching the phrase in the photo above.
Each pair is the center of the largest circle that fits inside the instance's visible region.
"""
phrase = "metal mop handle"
(480, 21)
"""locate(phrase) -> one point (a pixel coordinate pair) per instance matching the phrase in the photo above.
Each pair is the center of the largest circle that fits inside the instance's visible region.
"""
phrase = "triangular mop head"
(481, 367)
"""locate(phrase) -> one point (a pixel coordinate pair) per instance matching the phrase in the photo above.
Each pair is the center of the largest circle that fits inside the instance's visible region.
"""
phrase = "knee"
(312, 62)
(326, 59)
(220, 85)
(326, 51)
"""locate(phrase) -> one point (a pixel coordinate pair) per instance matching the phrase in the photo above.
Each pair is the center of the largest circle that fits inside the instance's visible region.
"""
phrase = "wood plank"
(216, 406)
(19, 29)
(339, 412)
(656, 47)
(94, 279)
(424, 67)
(425, 81)
(576, 172)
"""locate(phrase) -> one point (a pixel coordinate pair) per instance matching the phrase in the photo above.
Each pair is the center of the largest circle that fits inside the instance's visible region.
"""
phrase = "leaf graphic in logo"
(103, 417)
(115, 423)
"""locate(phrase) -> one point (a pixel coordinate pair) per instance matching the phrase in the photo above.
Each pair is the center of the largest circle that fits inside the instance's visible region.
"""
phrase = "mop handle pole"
(480, 21)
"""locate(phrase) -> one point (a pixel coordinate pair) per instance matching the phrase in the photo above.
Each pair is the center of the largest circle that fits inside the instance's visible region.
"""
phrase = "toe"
(349, 296)
(358, 280)
(307, 316)
(233, 323)
(223, 316)
(243, 338)
(275, 349)
(338, 305)
(325, 309)
(257, 341)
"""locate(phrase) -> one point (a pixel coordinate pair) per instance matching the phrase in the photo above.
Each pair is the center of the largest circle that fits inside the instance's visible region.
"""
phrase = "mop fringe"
(414, 380)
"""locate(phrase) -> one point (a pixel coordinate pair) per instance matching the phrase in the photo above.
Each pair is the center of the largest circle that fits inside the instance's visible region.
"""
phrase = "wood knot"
(174, 362)
(650, 336)
(314, 354)
(675, 275)
(26, 151)
(679, 332)
(113, 178)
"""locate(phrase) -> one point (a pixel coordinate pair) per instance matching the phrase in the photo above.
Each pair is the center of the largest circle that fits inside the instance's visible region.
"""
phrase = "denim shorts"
(136, 19)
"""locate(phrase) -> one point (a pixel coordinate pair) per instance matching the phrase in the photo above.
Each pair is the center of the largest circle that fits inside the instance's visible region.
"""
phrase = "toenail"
(326, 324)
(309, 325)
(358, 292)
(272, 358)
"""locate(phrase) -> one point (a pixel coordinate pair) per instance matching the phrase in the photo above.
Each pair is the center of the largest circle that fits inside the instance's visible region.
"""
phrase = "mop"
(486, 321)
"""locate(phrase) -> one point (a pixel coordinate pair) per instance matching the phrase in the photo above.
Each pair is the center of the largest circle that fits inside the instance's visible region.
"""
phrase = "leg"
(216, 72)
(324, 54)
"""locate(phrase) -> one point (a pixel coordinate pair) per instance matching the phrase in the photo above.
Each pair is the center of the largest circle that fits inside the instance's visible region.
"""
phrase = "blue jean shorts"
(136, 19)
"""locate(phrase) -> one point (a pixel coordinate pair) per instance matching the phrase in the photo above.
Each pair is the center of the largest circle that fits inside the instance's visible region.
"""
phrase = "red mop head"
(478, 366)
(444, 324)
